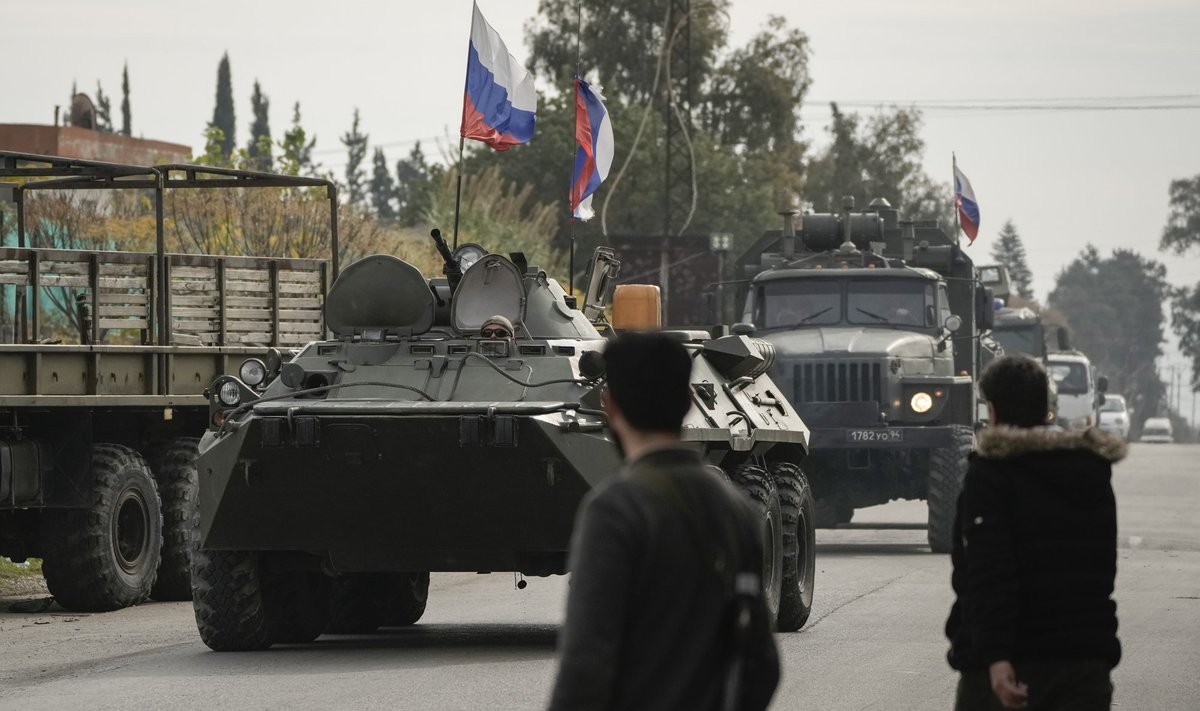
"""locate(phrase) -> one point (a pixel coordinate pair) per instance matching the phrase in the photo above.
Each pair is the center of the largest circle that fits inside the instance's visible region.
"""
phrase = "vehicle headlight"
(921, 403)
(229, 394)
(253, 372)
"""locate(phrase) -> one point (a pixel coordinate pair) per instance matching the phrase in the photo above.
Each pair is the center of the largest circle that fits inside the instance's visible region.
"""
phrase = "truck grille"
(840, 381)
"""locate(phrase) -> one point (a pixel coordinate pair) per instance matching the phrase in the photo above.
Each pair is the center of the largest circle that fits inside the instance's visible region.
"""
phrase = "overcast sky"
(1065, 177)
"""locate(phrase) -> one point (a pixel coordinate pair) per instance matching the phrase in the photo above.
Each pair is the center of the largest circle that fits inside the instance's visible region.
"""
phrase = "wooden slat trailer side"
(97, 436)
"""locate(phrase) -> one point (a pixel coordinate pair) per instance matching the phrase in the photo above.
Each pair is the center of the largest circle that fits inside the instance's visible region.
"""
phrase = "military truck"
(875, 323)
(98, 434)
(408, 444)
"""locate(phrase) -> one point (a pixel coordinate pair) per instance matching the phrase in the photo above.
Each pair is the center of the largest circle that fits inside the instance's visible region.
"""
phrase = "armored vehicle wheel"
(947, 469)
(178, 486)
(760, 487)
(407, 596)
(799, 545)
(105, 556)
(356, 603)
(227, 594)
(297, 605)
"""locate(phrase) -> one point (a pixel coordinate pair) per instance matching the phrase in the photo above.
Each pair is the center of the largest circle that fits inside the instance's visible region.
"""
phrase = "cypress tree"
(297, 147)
(383, 188)
(126, 123)
(356, 150)
(1010, 252)
(103, 110)
(259, 147)
(223, 114)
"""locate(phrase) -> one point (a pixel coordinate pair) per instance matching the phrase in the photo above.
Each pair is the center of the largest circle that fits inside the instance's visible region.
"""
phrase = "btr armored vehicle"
(333, 485)
(876, 325)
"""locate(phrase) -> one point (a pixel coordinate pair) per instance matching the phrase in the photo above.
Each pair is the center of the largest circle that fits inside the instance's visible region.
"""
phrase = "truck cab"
(1080, 389)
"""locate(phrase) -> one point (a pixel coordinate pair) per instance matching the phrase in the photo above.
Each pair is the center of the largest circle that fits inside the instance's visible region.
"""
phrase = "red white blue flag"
(968, 209)
(500, 103)
(594, 157)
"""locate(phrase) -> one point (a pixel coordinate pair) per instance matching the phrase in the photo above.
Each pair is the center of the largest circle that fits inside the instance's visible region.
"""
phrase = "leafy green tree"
(383, 188)
(1115, 308)
(622, 42)
(880, 157)
(296, 148)
(126, 121)
(103, 110)
(1181, 234)
(416, 180)
(259, 147)
(356, 151)
(1010, 252)
(223, 113)
(1183, 222)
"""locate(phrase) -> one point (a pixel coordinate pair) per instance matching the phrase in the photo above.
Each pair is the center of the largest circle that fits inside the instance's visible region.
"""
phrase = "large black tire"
(356, 603)
(178, 488)
(227, 594)
(799, 545)
(408, 594)
(297, 605)
(947, 470)
(760, 487)
(105, 556)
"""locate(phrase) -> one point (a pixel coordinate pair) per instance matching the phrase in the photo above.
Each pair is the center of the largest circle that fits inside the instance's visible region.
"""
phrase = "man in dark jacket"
(653, 553)
(1035, 556)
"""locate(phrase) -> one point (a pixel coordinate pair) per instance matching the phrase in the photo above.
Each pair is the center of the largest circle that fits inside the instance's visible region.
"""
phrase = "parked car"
(1114, 416)
(1158, 430)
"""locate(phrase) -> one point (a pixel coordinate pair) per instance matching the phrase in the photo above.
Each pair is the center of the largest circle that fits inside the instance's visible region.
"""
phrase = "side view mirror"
(743, 329)
(953, 323)
(985, 309)
(1102, 385)
(1064, 339)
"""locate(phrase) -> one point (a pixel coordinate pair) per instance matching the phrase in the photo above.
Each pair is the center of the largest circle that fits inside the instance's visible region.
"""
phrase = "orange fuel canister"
(636, 307)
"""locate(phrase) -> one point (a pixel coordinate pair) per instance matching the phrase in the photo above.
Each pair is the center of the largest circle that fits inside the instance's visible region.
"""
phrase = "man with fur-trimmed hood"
(1034, 624)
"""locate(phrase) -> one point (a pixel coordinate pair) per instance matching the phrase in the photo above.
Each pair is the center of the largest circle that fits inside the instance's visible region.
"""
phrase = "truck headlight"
(229, 394)
(921, 403)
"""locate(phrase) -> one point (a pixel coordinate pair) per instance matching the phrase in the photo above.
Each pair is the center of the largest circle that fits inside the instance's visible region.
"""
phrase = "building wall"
(86, 144)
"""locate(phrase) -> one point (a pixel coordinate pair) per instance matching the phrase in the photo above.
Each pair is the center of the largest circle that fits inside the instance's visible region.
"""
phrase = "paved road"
(874, 642)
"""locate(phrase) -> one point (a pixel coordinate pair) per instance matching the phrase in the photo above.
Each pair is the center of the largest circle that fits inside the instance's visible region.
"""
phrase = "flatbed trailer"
(97, 439)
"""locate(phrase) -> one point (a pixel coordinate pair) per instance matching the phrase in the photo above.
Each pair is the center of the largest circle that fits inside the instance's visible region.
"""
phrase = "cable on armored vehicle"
(560, 381)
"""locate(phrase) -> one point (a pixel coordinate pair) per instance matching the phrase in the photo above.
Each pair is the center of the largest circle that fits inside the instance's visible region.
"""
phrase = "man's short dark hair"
(648, 375)
(1016, 386)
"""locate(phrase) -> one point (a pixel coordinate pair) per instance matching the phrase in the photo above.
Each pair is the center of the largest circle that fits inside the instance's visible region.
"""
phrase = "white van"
(1158, 429)
(1079, 389)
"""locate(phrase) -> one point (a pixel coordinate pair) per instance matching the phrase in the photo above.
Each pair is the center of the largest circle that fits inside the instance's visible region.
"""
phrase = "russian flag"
(968, 209)
(594, 157)
(499, 102)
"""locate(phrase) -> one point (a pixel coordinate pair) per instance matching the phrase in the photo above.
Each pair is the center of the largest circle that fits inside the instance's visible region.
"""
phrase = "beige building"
(86, 144)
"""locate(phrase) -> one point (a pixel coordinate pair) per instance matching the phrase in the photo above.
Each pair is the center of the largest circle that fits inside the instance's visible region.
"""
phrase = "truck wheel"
(356, 603)
(947, 469)
(297, 605)
(227, 594)
(758, 485)
(178, 487)
(799, 545)
(105, 556)
(407, 596)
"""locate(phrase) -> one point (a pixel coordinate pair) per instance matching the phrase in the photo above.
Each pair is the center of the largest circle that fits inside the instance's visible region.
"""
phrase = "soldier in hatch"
(496, 327)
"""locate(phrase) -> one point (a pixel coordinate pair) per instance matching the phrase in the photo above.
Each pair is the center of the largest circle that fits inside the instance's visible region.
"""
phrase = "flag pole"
(458, 188)
(954, 201)
(570, 181)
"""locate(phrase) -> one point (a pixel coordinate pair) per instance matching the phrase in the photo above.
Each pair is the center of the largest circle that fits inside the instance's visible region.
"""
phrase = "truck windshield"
(825, 302)
(1071, 378)
(899, 302)
(800, 302)
(1024, 339)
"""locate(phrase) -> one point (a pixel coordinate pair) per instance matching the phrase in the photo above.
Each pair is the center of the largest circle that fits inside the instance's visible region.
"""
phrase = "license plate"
(875, 434)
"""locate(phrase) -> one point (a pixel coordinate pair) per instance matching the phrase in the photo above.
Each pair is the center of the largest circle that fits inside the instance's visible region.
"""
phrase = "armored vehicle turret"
(407, 443)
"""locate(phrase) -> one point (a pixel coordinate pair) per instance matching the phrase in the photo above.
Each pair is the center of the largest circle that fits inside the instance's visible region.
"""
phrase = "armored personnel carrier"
(876, 325)
(333, 484)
